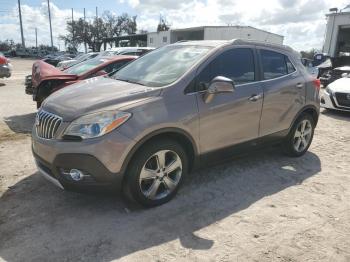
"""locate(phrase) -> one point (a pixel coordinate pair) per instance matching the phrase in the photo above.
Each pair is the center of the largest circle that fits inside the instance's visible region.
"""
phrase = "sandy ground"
(264, 207)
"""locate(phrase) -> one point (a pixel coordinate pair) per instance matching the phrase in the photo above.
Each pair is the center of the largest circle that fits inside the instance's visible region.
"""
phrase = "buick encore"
(146, 127)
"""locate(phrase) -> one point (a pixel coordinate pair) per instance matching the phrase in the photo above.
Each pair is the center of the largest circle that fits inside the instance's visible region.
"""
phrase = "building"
(337, 38)
(157, 39)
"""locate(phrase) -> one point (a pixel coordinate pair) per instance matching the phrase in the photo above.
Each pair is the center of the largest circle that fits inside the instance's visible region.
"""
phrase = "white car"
(337, 95)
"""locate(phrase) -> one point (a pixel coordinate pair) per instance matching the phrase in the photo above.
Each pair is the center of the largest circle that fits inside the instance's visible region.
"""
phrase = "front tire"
(156, 172)
(300, 137)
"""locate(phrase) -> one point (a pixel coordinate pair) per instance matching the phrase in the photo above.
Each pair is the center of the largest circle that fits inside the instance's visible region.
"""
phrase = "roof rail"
(267, 44)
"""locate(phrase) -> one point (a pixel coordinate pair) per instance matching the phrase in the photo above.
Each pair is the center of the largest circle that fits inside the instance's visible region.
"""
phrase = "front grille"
(343, 99)
(47, 124)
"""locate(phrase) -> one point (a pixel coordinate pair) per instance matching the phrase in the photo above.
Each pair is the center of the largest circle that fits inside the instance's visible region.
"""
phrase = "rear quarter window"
(275, 64)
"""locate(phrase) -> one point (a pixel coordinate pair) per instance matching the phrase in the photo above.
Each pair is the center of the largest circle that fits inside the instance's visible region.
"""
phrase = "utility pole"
(36, 38)
(72, 25)
(20, 22)
(84, 31)
(48, 6)
(97, 28)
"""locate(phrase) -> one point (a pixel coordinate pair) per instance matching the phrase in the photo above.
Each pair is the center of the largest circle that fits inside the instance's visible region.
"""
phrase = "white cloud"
(302, 22)
(37, 17)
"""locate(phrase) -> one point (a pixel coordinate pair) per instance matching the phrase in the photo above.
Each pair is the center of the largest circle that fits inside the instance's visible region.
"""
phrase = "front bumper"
(5, 70)
(329, 101)
(101, 160)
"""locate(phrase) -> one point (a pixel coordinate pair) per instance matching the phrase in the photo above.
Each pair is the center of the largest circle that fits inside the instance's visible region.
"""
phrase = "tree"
(308, 54)
(93, 33)
(7, 45)
(163, 25)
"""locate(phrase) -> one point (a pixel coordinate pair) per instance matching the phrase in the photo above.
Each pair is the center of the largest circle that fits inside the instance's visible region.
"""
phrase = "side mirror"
(218, 85)
(345, 75)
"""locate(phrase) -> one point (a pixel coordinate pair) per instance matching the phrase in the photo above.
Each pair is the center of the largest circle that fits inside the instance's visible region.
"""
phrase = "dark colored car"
(176, 108)
(334, 69)
(5, 66)
(47, 79)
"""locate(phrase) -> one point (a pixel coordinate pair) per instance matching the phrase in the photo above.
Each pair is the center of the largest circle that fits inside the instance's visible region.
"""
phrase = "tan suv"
(172, 110)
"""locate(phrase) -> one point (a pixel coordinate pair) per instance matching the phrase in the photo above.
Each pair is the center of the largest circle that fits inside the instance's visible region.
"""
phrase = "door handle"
(299, 85)
(255, 98)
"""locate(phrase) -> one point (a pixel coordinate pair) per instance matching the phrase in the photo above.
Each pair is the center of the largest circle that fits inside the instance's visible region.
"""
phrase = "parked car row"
(47, 79)
(5, 67)
(145, 127)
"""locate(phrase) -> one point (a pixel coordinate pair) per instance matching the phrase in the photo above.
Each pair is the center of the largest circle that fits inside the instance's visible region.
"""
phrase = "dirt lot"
(265, 207)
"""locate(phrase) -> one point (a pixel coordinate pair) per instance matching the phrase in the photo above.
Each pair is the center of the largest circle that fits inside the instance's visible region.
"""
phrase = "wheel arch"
(177, 134)
(309, 109)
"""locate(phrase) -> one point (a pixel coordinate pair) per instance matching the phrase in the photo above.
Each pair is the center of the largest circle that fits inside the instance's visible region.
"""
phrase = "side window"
(275, 64)
(290, 66)
(236, 64)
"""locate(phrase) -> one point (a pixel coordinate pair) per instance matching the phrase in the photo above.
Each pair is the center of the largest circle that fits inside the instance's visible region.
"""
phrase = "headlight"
(328, 90)
(97, 124)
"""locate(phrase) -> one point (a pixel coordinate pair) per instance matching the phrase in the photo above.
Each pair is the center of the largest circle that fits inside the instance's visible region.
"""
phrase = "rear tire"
(300, 136)
(156, 172)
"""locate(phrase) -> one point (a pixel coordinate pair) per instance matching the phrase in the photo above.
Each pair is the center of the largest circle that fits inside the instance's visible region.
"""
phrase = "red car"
(5, 67)
(46, 79)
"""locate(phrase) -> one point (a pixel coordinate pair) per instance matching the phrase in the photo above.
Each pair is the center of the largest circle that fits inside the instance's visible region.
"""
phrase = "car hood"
(43, 71)
(341, 85)
(95, 94)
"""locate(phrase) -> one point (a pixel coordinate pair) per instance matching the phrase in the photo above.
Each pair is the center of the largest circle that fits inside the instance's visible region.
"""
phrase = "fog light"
(76, 174)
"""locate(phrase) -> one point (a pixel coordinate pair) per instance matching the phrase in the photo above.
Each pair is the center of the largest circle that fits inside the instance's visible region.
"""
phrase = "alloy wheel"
(302, 135)
(160, 174)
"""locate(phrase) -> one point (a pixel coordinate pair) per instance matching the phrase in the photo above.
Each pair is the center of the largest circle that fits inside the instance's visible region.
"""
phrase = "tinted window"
(114, 67)
(275, 64)
(236, 64)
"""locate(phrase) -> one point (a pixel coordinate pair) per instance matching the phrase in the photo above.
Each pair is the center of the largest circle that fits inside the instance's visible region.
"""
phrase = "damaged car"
(47, 79)
(334, 69)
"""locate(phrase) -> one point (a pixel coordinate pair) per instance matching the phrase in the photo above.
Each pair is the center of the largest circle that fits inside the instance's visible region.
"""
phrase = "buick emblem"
(348, 96)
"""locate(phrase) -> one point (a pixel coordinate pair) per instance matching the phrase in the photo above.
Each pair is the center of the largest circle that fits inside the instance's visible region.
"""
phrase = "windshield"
(162, 66)
(83, 67)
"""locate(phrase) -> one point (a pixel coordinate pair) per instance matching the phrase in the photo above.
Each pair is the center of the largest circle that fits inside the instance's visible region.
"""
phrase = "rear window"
(83, 67)
(275, 64)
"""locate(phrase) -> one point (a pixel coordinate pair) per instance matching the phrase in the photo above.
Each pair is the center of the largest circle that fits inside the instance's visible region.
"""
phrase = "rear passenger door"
(284, 91)
(230, 118)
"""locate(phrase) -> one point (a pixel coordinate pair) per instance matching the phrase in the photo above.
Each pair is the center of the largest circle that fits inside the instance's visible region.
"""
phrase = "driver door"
(230, 118)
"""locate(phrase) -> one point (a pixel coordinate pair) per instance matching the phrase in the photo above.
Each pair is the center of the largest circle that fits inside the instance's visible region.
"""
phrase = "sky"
(302, 22)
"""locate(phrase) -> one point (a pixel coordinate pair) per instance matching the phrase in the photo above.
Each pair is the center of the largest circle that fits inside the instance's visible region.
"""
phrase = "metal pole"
(20, 22)
(48, 6)
(84, 32)
(36, 38)
(72, 25)
(97, 27)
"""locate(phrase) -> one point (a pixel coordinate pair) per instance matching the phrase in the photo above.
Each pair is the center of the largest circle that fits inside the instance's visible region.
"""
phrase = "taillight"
(317, 84)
